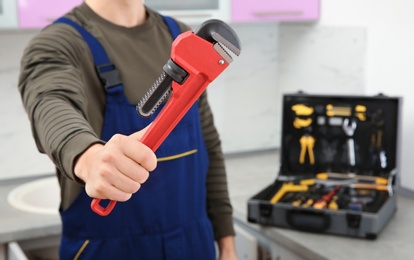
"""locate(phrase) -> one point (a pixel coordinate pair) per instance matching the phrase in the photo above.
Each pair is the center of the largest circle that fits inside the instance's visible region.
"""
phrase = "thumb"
(139, 134)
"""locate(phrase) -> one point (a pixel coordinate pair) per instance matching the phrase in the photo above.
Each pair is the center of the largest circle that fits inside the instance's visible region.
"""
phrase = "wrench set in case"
(338, 166)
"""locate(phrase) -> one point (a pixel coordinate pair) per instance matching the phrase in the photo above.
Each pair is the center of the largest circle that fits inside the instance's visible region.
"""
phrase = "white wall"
(244, 97)
(390, 57)
(18, 153)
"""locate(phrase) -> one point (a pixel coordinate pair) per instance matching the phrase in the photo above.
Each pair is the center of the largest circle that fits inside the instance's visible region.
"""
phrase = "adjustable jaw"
(220, 34)
(196, 60)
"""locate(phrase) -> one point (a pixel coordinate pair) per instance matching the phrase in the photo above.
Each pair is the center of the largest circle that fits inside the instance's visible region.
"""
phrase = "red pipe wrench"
(197, 58)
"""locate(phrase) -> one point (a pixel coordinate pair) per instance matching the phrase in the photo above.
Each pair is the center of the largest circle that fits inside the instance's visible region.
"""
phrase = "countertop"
(16, 225)
(248, 173)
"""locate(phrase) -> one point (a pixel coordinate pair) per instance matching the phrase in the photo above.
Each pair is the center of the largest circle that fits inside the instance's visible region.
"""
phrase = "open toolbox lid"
(339, 134)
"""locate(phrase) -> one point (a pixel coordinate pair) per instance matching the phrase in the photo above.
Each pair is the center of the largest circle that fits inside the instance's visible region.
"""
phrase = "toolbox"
(338, 166)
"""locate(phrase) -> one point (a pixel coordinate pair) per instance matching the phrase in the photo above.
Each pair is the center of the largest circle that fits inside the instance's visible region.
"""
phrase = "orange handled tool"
(323, 202)
(197, 58)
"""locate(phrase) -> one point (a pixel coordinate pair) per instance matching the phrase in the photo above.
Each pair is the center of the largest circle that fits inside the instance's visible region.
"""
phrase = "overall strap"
(172, 26)
(106, 70)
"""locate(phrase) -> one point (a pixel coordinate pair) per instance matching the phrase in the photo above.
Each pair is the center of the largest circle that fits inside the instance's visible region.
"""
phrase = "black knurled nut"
(175, 71)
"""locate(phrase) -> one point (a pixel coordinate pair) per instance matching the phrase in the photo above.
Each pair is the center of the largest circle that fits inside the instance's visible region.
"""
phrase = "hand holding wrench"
(197, 58)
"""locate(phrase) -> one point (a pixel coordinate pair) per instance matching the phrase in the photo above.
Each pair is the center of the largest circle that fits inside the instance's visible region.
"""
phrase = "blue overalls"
(166, 218)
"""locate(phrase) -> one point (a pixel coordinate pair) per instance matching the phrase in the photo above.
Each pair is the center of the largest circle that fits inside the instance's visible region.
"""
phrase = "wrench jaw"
(222, 36)
(222, 52)
(349, 126)
(214, 30)
(224, 43)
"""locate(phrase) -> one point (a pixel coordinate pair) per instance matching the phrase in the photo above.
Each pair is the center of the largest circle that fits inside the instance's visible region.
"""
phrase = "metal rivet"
(221, 62)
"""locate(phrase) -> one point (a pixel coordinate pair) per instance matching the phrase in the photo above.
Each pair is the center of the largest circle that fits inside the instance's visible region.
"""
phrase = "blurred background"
(316, 46)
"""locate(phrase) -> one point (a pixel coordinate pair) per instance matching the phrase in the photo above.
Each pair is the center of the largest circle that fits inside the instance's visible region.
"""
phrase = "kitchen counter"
(248, 174)
(17, 225)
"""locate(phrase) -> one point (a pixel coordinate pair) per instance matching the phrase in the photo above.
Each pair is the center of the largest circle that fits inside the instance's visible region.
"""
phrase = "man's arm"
(227, 248)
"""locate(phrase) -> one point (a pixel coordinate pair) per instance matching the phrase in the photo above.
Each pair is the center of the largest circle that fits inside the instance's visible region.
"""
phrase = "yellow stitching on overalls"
(81, 250)
(168, 158)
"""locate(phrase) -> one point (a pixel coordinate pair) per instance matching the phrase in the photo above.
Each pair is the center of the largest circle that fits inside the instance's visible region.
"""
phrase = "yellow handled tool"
(302, 110)
(360, 112)
(306, 143)
(369, 186)
(332, 110)
(301, 123)
(292, 187)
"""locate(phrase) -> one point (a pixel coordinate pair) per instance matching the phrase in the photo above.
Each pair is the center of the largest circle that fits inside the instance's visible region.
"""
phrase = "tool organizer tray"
(338, 166)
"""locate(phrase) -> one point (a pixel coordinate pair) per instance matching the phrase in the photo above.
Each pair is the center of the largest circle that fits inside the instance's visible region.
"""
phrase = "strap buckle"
(109, 75)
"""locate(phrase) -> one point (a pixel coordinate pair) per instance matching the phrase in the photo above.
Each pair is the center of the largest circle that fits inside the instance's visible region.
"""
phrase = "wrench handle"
(102, 211)
(351, 151)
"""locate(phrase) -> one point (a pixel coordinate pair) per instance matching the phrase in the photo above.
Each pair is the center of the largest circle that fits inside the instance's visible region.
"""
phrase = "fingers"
(133, 170)
(133, 149)
(139, 152)
(120, 168)
(139, 134)
(108, 182)
(106, 191)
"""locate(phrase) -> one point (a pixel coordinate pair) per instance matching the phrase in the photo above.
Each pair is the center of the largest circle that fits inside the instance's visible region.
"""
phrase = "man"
(175, 202)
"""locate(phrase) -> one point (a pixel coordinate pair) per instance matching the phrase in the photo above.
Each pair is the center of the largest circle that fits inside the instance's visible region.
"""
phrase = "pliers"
(197, 58)
(307, 143)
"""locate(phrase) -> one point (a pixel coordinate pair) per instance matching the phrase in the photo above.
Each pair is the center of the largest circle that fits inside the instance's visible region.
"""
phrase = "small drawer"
(277, 10)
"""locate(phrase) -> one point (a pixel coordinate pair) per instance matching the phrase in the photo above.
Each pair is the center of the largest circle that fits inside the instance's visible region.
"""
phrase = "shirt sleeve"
(219, 208)
(52, 93)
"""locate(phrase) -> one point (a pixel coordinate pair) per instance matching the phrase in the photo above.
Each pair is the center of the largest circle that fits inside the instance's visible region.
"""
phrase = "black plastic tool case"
(342, 149)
